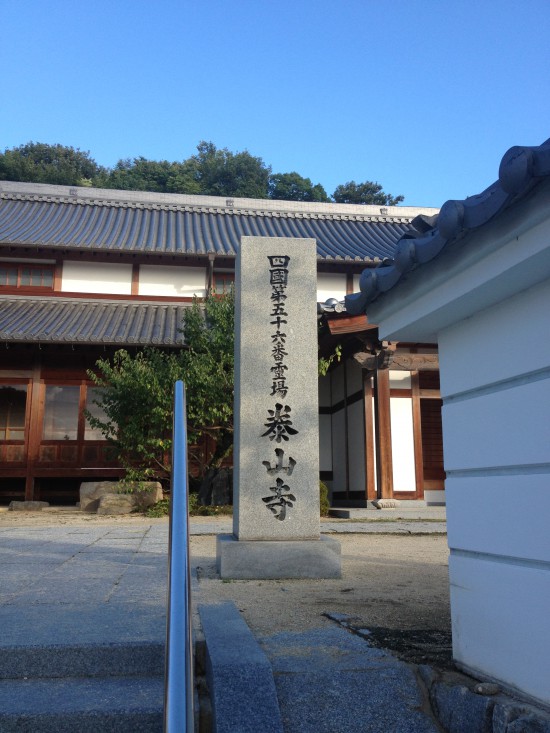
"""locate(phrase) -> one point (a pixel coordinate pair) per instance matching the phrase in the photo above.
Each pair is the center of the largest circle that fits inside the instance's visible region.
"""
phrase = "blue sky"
(424, 97)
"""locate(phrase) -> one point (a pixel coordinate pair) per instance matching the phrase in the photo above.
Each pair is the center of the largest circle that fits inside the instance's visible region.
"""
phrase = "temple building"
(84, 272)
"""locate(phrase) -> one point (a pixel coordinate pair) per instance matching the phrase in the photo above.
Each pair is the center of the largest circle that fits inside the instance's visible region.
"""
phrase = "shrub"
(324, 502)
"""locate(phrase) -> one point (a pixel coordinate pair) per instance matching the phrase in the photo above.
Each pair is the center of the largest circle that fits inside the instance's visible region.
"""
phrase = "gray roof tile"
(77, 222)
(521, 169)
(83, 321)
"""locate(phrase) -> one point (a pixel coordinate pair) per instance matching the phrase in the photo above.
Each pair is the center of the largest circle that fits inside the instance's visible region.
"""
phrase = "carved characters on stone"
(279, 422)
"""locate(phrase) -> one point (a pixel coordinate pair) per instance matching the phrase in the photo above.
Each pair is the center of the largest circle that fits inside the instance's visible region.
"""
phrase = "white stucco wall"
(182, 282)
(330, 285)
(486, 302)
(96, 277)
(496, 423)
(402, 444)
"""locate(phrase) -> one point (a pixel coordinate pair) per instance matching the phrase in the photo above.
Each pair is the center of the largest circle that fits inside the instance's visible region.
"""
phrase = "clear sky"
(423, 96)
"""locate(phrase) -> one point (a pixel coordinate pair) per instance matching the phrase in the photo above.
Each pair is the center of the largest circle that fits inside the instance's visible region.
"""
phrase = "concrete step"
(82, 705)
(84, 660)
(87, 688)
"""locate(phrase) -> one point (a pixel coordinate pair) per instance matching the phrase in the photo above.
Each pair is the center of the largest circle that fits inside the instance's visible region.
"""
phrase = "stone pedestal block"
(257, 559)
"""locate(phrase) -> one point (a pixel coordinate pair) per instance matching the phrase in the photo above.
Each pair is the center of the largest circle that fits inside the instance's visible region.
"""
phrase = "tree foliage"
(42, 163)
(137, 392)
(364, 193)
(211, 171)
(293, 187)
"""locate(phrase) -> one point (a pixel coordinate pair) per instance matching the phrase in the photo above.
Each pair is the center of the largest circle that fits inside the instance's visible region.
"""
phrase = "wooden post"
(417, 435)
(36, 397)
(384, 464)
(370, 488)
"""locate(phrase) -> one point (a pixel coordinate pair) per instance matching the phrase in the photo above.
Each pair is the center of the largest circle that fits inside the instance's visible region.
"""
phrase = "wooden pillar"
(417, 435)
(36, 397)
(368, 403)
(384, 464)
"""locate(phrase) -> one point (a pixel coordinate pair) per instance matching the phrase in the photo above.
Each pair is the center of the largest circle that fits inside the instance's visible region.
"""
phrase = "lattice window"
(21, 276)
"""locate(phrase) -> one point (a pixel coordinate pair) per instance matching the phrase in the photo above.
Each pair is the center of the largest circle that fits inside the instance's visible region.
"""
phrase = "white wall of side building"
(496, 423)
(179, 282)
(486, 301)
(96, 277)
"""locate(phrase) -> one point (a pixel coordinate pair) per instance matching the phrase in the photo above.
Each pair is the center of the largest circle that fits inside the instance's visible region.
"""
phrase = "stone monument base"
(275, 559)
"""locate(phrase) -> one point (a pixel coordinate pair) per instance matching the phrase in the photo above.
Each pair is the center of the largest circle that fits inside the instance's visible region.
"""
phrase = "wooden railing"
(178, 679)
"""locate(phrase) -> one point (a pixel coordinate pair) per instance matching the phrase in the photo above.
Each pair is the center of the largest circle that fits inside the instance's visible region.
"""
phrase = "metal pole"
(178, 678)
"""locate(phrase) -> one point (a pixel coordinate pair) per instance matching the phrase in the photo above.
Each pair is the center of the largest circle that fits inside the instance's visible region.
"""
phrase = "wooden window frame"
(18, 268)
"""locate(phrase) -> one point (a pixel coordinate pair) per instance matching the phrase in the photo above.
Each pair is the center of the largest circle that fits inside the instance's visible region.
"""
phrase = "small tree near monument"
(136, 393)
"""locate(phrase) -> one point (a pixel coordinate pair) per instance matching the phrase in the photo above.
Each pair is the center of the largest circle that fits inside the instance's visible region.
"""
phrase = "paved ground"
(73, 578)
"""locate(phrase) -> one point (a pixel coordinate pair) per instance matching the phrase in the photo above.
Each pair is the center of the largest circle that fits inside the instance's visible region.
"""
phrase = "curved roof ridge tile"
(521, 168)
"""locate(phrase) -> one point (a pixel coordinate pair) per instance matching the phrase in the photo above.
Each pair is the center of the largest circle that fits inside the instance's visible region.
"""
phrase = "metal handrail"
(178, 676)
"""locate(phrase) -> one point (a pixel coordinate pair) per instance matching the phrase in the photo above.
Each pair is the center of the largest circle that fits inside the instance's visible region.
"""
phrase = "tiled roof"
(95, 219)
(79, 321)
(521, 169)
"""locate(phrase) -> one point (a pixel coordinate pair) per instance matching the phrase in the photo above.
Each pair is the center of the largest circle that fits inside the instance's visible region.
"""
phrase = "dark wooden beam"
(396, 360)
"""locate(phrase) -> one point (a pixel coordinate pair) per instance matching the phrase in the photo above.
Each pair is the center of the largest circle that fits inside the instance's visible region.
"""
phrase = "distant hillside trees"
(41, 163)
(211, 171)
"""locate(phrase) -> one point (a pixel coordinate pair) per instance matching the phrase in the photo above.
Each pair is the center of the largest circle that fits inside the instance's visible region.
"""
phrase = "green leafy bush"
(324, 503)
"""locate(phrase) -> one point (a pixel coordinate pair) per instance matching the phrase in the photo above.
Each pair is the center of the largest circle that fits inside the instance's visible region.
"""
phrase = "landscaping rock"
(93, 496)
(27, 506)
(116, 504)
(92, 491)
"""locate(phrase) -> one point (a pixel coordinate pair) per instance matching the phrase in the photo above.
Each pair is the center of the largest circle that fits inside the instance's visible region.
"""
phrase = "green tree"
(220, 172)
(137, 392)
(293, 187)
(364, 193)
(43, 163)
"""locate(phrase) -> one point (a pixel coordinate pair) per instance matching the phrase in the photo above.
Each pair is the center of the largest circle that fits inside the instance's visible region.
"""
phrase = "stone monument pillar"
(276, 529)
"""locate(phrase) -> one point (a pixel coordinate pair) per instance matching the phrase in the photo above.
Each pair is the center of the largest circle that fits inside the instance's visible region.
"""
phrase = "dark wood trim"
(349, 283)
(384, 464)
(36, 411)
(102, 296)
(58, 275)
(370, 477)
(400, 392)
(417, 436)
(429, 394)
(349, 324)
(134, 288)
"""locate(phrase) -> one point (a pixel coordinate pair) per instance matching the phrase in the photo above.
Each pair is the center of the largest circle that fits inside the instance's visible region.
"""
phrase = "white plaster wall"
(96, 277)
(330, 285)
(400, 379)
(402, 444)
(496, 392)
(356, 445)
(183, 282)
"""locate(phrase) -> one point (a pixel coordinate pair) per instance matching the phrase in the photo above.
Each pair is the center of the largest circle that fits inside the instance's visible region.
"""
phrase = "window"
(223, 282)
(13, 403)
(90, 433)
(26, 276)
(61, 412)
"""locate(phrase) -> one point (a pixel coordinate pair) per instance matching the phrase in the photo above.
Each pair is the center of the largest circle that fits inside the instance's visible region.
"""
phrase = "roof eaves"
(520, 170)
